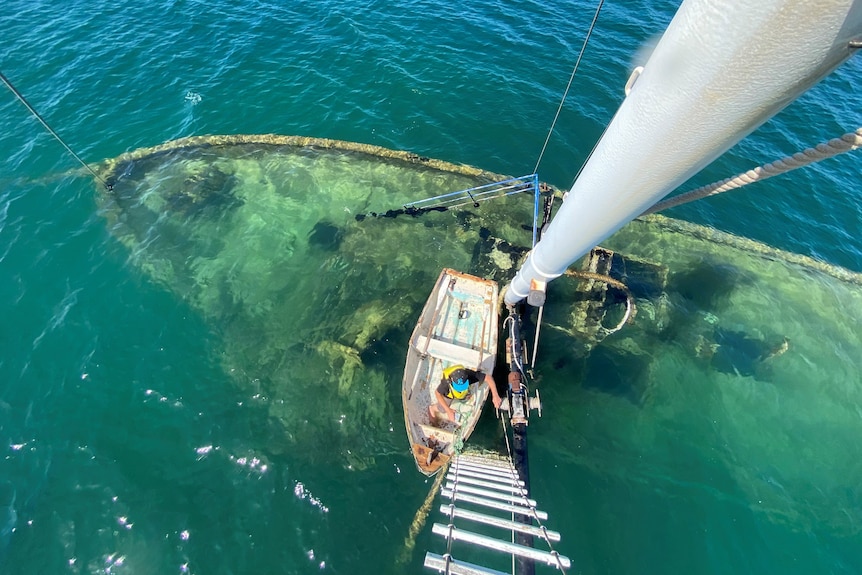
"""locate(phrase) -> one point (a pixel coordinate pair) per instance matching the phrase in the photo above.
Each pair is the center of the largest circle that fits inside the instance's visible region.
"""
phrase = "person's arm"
(495, 395)
(441, 402)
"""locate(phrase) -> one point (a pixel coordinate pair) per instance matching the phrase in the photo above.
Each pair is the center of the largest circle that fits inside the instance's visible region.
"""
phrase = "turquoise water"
(141, 423)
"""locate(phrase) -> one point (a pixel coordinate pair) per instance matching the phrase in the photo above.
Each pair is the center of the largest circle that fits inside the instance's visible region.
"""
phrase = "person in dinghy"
(454, 389)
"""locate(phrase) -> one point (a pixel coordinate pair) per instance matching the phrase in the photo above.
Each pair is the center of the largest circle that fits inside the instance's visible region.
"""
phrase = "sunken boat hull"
(747, 348)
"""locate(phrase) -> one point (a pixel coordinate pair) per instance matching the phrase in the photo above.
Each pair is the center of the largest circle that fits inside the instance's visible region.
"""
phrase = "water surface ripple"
(131, 447)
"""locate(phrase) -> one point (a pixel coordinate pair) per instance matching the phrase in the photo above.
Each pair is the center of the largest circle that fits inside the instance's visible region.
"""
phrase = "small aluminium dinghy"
(458, 327)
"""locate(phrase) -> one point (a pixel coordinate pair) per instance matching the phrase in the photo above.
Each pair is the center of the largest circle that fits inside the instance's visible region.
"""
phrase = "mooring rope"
(631, 308)
(50, 130)
(569, 85)
(421, 517)
(628, 316)
(846, 143)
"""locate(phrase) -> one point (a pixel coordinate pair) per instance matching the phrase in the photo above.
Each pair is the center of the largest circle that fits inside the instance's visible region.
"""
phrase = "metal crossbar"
(478, 194)
(475, 195)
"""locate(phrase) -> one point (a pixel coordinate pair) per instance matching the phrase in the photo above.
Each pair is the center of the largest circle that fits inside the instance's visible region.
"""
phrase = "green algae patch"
(260, 235)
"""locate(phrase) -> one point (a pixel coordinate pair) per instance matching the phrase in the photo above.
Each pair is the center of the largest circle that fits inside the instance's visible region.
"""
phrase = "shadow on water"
(740, 354)
(697, 291)
(706, 284)
(644, 280)
(699, 296)
(618, 373)
(326, 236)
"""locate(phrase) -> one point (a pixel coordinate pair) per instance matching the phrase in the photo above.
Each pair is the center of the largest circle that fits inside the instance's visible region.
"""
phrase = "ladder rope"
(569, 85)
(535, 516)
(50, 130)
(846, 143)
(448, 554)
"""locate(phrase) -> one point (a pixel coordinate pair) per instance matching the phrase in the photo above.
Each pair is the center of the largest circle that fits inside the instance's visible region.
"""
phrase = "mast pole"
(720, 70)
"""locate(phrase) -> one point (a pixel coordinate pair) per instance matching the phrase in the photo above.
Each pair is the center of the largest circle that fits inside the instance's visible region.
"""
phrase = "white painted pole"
(722, 68)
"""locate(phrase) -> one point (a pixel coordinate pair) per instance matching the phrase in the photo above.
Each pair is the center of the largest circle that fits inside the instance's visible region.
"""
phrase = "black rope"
(571, 78)
(52, 132)
(546, 213)
(406, 210)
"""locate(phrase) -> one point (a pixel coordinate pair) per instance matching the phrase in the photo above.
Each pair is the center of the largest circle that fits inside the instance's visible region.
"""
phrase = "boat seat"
(450, 352)
(441, 435)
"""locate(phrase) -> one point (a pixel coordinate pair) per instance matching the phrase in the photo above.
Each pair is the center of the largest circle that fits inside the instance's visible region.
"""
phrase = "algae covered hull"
(749, 347)
(261, 236)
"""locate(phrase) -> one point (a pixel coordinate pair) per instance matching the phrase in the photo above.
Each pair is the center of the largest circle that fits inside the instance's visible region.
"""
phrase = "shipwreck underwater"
(279, 243)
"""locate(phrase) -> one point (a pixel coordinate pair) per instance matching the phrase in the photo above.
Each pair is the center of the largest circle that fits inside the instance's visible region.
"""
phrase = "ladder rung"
(492, 459)
(519, 509)
(500, 469)
(465, 472)
(466, 514)
(497, 486)
(438, 562)
(552, 559)
(460, 468)
(470, 468)
(498, 465)
(492, 494)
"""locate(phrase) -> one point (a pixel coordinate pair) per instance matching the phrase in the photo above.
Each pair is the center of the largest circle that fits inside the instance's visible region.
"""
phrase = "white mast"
(722, 68)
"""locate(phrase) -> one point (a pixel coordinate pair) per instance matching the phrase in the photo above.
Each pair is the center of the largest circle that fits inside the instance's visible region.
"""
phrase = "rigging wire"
(569, 85)
(50, 130)
(545, 146)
